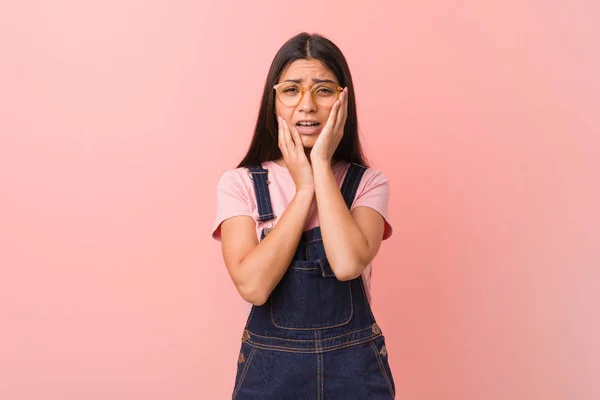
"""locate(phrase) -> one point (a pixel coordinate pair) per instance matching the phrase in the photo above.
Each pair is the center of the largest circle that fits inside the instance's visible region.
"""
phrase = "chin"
(309, 141)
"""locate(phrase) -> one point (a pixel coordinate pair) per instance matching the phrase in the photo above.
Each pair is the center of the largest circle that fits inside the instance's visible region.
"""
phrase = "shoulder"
(233, 177)
(371, 176)
(374, 192)
(374, 183)
(376, 176)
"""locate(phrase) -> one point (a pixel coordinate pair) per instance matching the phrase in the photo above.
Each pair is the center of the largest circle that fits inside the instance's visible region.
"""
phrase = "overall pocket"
(307, 297)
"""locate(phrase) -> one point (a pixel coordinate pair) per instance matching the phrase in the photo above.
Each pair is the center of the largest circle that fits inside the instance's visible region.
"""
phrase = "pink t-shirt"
(235, 196)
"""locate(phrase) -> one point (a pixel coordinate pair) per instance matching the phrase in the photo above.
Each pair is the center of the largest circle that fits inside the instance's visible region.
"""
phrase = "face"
(306, 73)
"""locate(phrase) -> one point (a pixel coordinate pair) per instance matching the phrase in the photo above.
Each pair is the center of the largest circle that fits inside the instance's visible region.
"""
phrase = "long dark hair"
(264, 145)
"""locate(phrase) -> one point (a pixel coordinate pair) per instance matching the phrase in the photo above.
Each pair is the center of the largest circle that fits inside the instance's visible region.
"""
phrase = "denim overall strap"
(351, 181)
(259, 177)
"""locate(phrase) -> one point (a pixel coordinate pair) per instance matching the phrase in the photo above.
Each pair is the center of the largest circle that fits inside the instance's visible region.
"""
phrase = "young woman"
(300, 220)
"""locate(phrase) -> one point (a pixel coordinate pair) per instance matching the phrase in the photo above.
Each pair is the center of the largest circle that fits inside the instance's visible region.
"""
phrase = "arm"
(351, 241)
(257, 267)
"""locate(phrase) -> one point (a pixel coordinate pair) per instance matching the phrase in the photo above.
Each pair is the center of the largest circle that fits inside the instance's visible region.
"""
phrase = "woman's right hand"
(290, 144)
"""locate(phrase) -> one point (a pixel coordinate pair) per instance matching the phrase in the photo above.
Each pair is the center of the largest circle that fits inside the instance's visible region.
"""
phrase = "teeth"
(308, 123)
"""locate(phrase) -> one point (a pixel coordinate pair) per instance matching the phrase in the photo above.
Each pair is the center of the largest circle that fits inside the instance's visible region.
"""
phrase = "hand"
(332, 133)
(290, 144)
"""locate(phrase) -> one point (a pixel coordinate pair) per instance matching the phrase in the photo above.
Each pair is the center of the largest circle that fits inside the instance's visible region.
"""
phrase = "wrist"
(317, 161)
(305, 190)
(321, 165)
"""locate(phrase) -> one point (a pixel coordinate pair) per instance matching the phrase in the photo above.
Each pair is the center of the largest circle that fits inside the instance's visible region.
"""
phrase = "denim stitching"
(264, 188)
(265, 217)
(369, 328)
(244, 372)
(320, 360)
(318, 377)
(261, 191)
(352, 195)
(382, 368)
(322, 327)
(314, 350)
(261, 188)
(268, 193)
(351, 178)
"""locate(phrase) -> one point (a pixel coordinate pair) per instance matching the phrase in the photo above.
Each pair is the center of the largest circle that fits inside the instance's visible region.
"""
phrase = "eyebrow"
(315, 80)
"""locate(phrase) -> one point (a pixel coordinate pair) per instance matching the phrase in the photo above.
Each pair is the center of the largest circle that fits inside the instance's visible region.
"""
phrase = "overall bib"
(316, 336)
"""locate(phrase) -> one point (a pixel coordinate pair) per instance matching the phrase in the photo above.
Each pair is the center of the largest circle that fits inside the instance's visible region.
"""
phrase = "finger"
(342, 112)
(287, 136)
(281, 137)
(289, 141)
(279, 132)
(332, 115)
(297, 140)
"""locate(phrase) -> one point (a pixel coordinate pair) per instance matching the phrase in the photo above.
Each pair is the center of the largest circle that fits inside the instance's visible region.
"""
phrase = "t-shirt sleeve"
(232, 200)
(374, 192)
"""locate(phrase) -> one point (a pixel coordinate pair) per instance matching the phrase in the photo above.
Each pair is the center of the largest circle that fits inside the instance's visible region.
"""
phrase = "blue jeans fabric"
(316, 336)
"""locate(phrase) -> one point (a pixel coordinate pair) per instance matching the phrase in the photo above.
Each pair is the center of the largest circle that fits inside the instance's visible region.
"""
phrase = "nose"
(306, 102)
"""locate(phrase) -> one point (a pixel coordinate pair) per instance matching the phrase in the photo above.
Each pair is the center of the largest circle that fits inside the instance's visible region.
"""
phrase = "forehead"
(307, 69)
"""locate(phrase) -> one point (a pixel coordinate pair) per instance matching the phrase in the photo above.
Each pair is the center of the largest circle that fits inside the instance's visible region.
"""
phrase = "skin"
(351, 240)
(291, 142)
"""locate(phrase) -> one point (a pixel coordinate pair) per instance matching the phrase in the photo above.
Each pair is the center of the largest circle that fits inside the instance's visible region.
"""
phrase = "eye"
(324, 91)
(290, 90)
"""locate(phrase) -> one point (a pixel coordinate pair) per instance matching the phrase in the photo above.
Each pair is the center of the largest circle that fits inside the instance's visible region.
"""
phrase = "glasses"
(323, 94)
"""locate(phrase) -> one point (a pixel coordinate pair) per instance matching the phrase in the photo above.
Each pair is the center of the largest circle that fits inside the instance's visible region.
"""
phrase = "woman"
(300, 220)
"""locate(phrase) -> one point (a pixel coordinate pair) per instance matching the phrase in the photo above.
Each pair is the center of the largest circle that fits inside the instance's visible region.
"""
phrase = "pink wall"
(118, 117)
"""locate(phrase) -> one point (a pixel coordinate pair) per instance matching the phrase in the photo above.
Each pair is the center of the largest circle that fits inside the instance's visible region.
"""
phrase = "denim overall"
(316, 336)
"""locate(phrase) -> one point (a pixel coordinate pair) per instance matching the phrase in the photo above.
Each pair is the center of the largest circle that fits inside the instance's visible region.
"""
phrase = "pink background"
(118, 117)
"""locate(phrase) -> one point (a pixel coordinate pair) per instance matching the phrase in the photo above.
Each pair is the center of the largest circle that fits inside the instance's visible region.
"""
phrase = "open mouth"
(308, 127)
(307, 123)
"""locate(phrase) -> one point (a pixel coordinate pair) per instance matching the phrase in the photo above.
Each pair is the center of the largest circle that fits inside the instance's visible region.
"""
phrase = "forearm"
(343, 240)
(265, 265)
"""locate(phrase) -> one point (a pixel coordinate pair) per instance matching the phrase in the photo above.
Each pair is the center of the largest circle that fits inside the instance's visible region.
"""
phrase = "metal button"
(241, 358)
(376, 329)
(383, 351)
(246, 335)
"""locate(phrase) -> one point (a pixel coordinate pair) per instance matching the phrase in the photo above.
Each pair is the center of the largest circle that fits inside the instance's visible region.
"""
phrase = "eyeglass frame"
(303, 91)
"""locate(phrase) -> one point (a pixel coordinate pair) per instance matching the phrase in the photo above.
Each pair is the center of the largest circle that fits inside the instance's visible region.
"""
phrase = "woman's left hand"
(332, 133)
